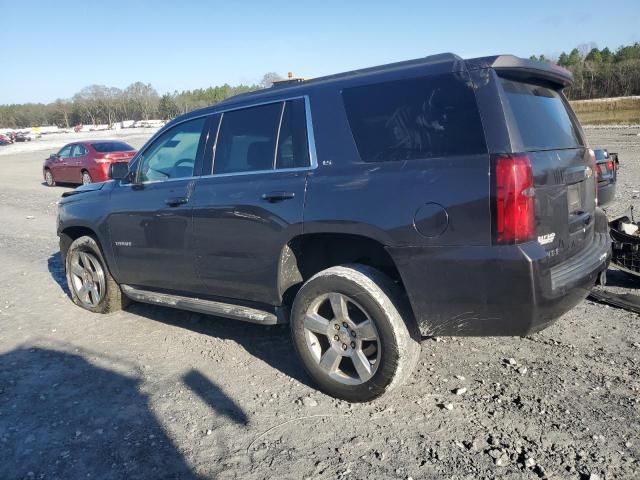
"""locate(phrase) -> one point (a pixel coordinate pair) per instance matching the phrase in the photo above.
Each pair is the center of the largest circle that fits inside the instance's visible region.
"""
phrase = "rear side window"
(293, 150)
(108, 147)
(78, 151)
(424, 117)
(247, 139)
(541, 116)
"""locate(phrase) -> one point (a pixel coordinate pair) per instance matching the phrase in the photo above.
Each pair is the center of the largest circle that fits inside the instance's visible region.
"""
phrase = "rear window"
(424, 117)
(600, 154)
(107, 147)
(541, 116)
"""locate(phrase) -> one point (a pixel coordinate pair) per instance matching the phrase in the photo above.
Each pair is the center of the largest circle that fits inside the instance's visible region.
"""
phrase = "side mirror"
(54, 156)
(119, 171)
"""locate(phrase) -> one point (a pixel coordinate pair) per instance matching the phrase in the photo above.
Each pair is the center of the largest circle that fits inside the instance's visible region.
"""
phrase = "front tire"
(348, 329)
(48, 178)
(92, 286)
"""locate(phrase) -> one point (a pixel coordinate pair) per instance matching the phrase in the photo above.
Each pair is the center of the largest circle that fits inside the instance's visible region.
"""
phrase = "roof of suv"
(444, 62)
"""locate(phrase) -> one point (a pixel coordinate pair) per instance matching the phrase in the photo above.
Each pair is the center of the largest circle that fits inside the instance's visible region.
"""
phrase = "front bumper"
(494, 290)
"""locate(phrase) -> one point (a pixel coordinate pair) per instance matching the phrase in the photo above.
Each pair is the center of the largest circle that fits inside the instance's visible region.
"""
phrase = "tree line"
(99, 104)
(600, 73)
(597, 74)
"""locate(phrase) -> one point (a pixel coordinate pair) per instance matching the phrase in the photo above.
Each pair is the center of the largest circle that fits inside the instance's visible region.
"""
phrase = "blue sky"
(51, 49)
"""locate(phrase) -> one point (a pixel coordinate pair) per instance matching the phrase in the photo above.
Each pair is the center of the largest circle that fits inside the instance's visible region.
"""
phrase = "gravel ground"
(157, 393)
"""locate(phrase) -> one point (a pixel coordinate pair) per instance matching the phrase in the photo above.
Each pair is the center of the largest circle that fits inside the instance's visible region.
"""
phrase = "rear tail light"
(514, 220)
(610, 165)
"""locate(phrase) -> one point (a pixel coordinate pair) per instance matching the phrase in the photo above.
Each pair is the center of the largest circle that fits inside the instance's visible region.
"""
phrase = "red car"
(85, 162)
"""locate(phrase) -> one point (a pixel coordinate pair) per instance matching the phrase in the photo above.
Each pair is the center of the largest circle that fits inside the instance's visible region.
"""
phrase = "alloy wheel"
(86, 178)
(87, 278)
(342, 338)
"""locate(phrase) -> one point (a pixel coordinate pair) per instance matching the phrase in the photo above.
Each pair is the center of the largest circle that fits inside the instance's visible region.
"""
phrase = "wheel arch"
(307, 254)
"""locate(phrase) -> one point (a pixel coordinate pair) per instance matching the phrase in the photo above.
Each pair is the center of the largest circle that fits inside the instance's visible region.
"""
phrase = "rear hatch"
(543, 127)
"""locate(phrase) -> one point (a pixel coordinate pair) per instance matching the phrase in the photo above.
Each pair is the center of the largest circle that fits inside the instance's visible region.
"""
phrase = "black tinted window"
(293, 149)
(414, 118)
(106, 147)
(247, 139)
(541, 116)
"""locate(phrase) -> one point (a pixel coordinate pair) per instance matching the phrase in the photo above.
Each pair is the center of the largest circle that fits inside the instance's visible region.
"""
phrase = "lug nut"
(336, 338)
(344, 346)
(336, 326)
(353, 344)
(353, 333)
(344, 324)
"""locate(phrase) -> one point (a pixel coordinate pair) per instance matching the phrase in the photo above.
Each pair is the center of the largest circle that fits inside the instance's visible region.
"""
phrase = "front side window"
(247, 139)
(415, 118)
(293, 150)
(173, 154)
(66, 151)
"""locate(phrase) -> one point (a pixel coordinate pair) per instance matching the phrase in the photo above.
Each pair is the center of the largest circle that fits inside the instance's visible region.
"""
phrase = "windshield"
(541, 116)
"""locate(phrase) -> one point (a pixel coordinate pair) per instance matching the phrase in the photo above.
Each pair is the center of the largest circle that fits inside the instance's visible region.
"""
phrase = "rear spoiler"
(522, 69)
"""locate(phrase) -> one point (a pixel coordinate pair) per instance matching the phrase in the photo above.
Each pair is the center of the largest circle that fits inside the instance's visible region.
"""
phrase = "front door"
(60, 168)
(150, 223)
(253, 203)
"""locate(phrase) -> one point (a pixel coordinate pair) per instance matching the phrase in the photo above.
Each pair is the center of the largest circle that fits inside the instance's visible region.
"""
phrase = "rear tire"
(48, 178)
(91, 285)
(353, 332)
(86, 178)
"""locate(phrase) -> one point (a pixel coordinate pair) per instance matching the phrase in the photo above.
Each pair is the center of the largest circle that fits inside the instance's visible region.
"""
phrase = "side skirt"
(208, 307)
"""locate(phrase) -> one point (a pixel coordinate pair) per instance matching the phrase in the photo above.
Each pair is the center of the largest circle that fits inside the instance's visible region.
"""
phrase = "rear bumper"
(496, 290)
(606, 194)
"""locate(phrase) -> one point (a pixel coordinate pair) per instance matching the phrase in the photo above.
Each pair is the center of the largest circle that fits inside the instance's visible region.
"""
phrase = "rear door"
(542, 125)
(77, 163)
(252, 204)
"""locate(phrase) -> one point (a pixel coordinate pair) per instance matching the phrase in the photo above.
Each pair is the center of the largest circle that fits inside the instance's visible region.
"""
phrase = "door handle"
(175, 201)
(277, 196)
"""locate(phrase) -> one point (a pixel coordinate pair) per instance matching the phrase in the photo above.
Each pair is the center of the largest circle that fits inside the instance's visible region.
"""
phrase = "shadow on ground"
(56, 269)
(62, 417)
(271, 344)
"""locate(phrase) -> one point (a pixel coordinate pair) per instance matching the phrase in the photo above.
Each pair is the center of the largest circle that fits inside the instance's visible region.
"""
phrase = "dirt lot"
(156, 393)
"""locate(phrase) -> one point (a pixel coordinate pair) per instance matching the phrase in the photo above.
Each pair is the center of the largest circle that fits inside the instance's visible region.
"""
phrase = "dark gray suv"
(438, 196)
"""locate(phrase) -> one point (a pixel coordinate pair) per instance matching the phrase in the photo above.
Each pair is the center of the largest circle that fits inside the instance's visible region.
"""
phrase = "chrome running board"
(199, 305)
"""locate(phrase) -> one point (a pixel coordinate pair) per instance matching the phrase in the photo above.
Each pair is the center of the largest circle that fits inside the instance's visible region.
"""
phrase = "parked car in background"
(5, 140)
(22, 137)
(437, 196)
(606, 174)
(85, 162)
